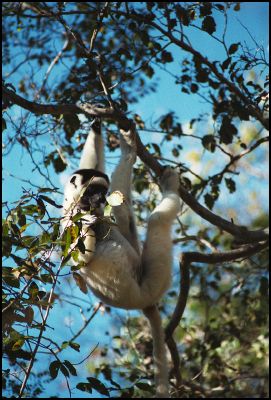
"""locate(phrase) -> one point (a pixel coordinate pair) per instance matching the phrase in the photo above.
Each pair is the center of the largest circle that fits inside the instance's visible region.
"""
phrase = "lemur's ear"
(73, 179)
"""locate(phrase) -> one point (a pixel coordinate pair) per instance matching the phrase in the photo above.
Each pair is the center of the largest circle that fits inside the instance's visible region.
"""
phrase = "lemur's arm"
(93, 151)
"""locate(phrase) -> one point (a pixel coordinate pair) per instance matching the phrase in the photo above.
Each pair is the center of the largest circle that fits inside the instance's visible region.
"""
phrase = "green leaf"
(144, 386)
(156, 149)
(71, 124)
(64, 370)
(54, 368)
(209, 143)
(175, 152)
(70, 367)
(44, 190)
(209, 25)
(29, 315)
(230, 185)
(67, 239)
(65, 260)
(107, 210)
(50, 201)
(65, 345)
(58, 164)
(205, 9)
(9, 278)
(75, 346)
(44, 239)
(182, 15)
(194, 88)
(41, 209)
(21, 219)
(77, 216)
(18, 344)
(98, 386)
(209, 200)
(226, 63)
(33, 290)
(166, 56)
(84, 387)
(75, 256)
(233, 48)
(46, 278)
(227, 131)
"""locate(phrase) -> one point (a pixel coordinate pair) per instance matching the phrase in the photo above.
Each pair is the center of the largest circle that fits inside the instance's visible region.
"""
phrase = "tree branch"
(185, 262)
(101, 16)
(213, 258)
(57, 109)
(253, 109)
(242, 234)
(54, 62)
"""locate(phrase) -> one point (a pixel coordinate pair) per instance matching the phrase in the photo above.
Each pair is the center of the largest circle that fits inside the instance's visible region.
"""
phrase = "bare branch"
(241, 233)
(58, 109)
(186, 260)
(214, 258)
(54, 62)
(99, 25)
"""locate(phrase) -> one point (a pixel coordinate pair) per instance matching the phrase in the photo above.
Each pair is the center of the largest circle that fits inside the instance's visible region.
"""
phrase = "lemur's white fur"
(116, 269)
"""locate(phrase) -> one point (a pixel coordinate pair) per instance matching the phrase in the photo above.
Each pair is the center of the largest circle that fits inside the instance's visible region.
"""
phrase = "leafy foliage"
(113, 53)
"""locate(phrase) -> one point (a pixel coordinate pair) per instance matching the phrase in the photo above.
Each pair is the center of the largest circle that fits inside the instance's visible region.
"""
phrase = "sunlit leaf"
(116, 198)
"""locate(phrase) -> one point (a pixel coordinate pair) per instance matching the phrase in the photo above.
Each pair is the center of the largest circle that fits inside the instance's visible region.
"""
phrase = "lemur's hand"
(128, 141)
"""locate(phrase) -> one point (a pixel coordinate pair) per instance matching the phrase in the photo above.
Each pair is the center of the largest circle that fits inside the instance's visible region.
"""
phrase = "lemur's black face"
(94, 195)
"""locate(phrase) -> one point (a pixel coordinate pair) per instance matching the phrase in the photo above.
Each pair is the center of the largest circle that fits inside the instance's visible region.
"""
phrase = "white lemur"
(116, 269)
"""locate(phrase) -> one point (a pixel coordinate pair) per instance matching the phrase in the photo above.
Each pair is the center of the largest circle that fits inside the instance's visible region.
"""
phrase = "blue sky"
(167, 98)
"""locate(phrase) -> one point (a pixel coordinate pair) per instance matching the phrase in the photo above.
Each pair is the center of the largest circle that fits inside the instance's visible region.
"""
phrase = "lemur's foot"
(170, 180)
(129, 136)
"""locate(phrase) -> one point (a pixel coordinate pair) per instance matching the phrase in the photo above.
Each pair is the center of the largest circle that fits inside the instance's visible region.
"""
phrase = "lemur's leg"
(157, 251)
(156, 271)
(93, 151)
(122, 180)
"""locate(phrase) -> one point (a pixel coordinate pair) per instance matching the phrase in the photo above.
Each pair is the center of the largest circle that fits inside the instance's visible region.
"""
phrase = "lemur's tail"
(159, 351)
